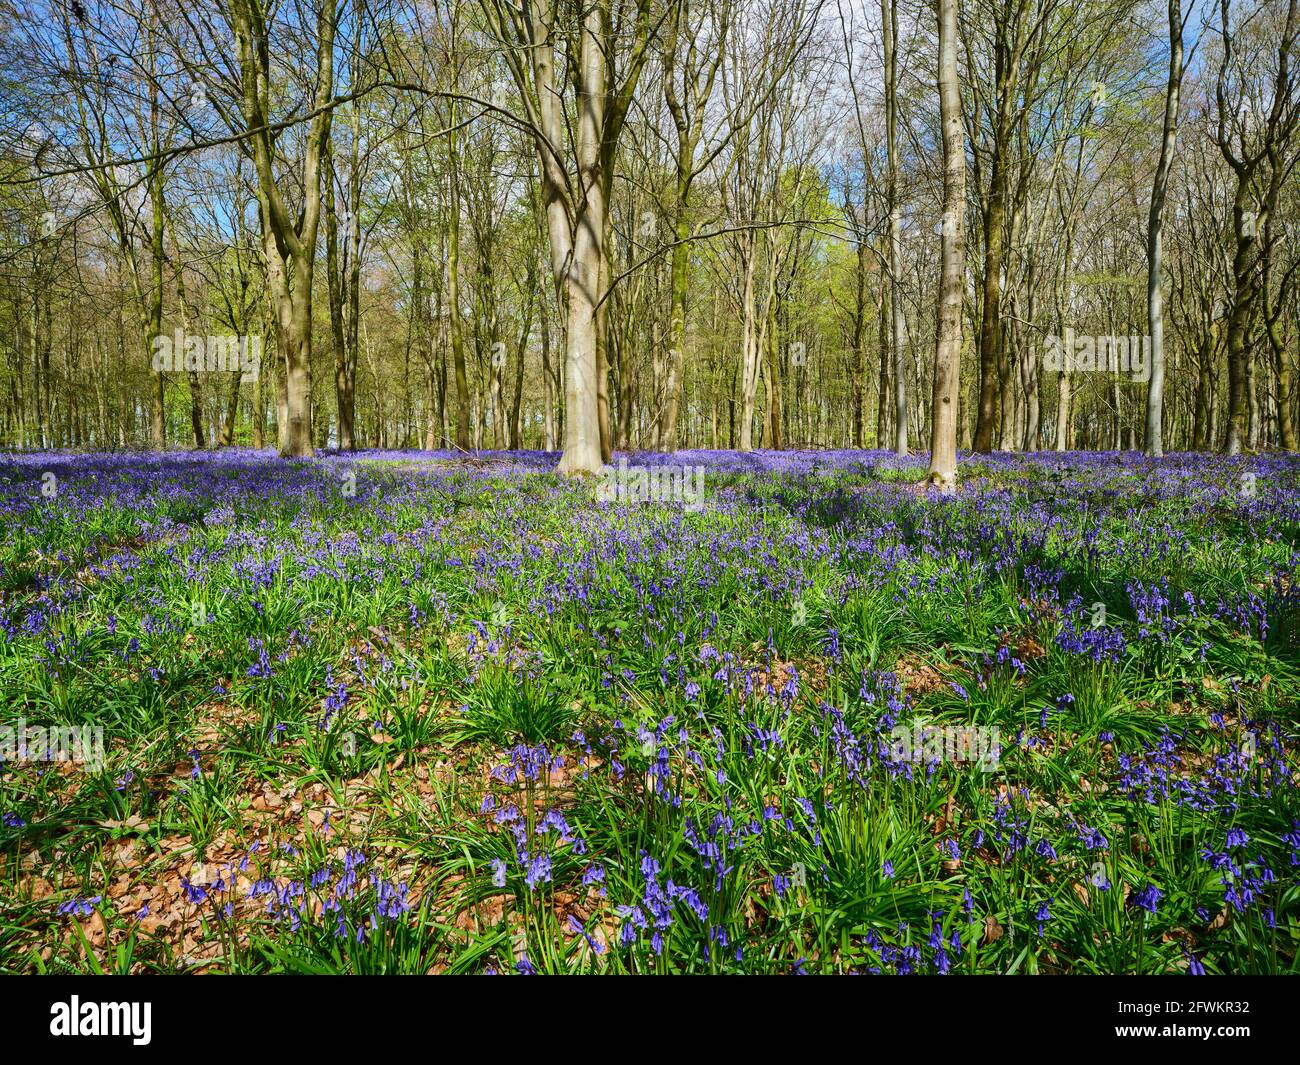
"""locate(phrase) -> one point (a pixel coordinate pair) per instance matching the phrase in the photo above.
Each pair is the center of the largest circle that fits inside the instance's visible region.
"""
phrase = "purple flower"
(596, 946)
(539, 871)
(1148, 898)
(80, 907)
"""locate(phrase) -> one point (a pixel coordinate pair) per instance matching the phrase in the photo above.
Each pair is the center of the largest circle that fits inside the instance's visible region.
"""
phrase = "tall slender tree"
(1155, 235)
(952, 274)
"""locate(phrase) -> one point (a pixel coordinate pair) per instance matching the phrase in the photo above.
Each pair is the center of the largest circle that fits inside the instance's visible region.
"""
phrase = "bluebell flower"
(80, 907)
(538, 871)
(1148, 898)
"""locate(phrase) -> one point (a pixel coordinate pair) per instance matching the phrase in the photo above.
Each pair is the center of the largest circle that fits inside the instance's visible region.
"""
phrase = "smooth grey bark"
(947, 349)
(1155, 231)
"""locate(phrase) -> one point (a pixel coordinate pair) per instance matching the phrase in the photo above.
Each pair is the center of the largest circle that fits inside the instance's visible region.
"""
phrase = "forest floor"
(397, 712)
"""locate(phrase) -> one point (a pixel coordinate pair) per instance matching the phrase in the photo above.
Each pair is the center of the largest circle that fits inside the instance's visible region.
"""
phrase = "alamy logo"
(77, 1018)
(21, 742)
(182, 353)
(652, 484)
(1099, 354)
(933, 743)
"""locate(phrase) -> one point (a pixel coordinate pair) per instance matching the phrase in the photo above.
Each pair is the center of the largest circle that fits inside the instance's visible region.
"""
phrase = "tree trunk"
(749, 352)
(667, 434)
(1243, 276)
(947, 349)
(1155, 223)
(991, 314)
(897, 326)
(453, 301)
